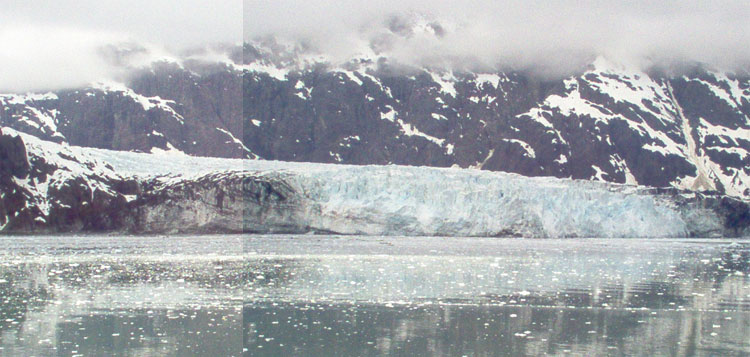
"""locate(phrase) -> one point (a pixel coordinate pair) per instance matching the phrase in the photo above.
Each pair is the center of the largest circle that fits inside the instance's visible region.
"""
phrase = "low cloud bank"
(552, 37)
(56, 44)
(49, 45)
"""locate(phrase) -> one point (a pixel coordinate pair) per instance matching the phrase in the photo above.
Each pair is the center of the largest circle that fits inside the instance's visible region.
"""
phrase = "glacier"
(398, 200)
(174, 193)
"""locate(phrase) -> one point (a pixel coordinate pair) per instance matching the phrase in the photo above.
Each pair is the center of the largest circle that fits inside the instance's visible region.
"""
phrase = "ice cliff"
(70, 189)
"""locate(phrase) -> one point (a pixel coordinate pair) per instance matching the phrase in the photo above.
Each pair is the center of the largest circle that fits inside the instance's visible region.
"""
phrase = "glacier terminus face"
(391, 200)
(66, 188)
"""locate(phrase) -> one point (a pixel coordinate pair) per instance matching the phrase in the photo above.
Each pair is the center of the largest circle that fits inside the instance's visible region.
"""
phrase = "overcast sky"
(50, 44)
(526, 33)
(54, 43)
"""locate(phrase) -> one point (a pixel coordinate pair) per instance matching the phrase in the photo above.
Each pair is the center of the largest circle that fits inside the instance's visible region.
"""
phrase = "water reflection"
(204, 332)
(514, 298)
(456, 330)
(303, 295)
(100, 301)
(113, 307)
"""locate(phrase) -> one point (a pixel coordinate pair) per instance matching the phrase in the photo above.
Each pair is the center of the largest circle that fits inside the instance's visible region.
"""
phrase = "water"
(327, 295)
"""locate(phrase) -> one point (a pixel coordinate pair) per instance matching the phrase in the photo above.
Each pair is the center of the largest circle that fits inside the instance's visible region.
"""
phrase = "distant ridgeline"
(51, 188)
(607, 123)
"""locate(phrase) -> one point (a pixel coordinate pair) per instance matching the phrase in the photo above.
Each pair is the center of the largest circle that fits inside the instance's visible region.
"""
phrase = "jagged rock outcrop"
(13, 161)
(47, 188)
(13, 165)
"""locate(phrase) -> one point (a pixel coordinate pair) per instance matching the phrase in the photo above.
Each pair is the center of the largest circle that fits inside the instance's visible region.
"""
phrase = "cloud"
(38, 58)
(52, 44)
(55, 44)
(174, 23)
(551, 35)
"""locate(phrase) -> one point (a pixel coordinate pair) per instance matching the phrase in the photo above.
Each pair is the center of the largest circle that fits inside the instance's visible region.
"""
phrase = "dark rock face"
(13, 164)
(13, 160)
(54, 191)
(164, 108)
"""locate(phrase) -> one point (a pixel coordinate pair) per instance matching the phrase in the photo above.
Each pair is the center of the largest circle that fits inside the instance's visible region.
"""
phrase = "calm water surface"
(353, 296)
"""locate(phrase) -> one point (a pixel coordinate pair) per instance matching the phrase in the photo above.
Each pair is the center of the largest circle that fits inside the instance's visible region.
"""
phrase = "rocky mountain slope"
(280, 101)
(48, 187)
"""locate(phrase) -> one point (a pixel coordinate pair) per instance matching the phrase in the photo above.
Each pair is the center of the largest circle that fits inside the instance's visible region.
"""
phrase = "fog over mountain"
(550, 37)
(52, 45)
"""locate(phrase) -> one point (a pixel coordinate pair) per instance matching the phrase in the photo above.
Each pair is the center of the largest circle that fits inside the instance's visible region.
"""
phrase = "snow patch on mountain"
(445, 82)
(148, 103)
(525, 146)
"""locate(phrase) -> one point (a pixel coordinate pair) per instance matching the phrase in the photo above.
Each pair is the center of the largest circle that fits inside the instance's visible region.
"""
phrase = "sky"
(52, 44)
(553, 35)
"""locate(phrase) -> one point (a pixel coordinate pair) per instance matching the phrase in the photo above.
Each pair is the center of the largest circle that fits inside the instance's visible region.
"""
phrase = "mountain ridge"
(608, 123)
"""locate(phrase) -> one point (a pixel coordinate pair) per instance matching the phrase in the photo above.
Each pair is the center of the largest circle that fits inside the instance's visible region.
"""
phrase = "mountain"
(685, 128)
(48, 187)
(280, 101)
